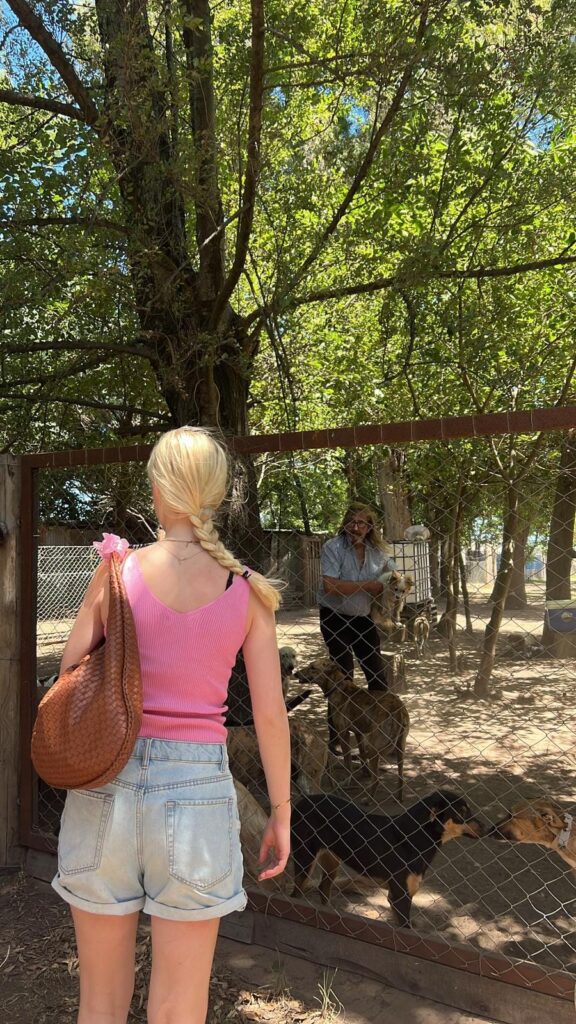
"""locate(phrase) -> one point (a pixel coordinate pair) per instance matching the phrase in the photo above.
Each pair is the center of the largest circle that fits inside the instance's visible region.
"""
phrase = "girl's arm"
(272, 730)
(88, 628)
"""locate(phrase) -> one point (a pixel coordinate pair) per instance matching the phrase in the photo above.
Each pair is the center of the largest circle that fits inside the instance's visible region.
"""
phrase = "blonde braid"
(189, 467)
(207, 534)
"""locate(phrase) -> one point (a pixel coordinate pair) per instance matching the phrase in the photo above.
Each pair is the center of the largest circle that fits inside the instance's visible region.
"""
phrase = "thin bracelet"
(274, 807)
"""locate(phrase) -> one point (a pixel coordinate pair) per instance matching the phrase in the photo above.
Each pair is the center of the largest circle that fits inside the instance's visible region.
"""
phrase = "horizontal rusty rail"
(449, 428)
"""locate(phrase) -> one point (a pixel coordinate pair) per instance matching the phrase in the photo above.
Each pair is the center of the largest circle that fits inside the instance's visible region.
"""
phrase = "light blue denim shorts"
(162, 837)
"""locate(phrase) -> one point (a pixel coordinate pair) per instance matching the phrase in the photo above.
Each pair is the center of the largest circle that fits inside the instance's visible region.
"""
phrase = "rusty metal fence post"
(9, 656)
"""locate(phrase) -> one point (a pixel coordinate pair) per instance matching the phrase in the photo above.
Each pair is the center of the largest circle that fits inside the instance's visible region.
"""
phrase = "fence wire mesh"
(432, 713)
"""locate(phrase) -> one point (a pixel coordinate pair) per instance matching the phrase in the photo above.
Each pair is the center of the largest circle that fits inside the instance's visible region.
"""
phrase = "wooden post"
(395, 668)
(9, 658)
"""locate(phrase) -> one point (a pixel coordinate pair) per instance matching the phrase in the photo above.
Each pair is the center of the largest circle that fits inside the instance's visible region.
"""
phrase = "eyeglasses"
(358, 522)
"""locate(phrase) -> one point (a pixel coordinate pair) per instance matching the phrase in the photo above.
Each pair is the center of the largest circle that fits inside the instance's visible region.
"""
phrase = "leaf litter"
(39, 969)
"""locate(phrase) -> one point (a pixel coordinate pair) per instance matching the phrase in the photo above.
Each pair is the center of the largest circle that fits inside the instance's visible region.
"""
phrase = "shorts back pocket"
(199, 838)
(83, 831)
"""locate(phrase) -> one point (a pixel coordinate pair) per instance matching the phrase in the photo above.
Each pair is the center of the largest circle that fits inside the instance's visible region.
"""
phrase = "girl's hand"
(275, 846)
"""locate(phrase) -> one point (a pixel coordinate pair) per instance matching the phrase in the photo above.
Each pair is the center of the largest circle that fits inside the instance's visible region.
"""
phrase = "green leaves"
(475, 168)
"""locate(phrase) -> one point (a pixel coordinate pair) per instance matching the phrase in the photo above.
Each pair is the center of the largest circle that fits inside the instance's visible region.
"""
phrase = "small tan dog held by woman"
(163, 836)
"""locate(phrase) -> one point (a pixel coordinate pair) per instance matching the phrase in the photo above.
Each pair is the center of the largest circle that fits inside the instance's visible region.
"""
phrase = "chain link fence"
(63, 575)
(432, 720)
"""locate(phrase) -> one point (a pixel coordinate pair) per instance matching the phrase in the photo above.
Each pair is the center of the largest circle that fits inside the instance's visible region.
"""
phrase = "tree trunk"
(501, 587)
(349, 470)
(241, 526)
(465, 594)
(301, 498)
(445, 557)
(448, 621)
(516, 598)
(561, 547)
(393, 497)
(435, 566)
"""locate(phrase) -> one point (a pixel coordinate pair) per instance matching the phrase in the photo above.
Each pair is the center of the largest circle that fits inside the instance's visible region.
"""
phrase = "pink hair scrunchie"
(109, 544)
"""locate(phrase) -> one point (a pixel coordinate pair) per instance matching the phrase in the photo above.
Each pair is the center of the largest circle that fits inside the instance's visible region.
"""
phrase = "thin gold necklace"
(178, 540)
(185, 558)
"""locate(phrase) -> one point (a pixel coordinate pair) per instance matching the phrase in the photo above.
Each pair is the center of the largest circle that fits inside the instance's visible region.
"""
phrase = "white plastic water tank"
(413, 559)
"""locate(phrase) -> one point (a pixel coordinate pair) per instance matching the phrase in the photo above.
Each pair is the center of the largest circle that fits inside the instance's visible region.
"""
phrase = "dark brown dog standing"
(396, 851)
(379, 721)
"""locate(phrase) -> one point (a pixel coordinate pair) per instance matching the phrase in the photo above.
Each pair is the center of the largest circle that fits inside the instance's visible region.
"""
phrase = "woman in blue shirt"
(350, 564)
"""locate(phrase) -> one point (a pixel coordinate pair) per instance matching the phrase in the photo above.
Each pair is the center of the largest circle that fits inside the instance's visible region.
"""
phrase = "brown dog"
(421, 633)
(379, 721)
(542, 822)
(388, 606)
(308, 752)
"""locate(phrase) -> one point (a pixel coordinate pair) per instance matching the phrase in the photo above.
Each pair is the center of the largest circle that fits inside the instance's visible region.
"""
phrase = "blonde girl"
(163, 837)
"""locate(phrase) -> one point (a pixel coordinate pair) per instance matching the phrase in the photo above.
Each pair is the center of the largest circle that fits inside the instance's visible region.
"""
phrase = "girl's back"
(190, 626)
(182, 576)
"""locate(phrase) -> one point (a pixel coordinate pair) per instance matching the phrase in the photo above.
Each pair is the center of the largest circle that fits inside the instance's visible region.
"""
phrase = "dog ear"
(518, 808)
(550, 816)
(443, 805)
(438, 810)
(439, 815)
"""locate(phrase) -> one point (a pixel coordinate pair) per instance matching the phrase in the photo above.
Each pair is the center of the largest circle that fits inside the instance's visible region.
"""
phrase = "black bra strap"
(229, 580)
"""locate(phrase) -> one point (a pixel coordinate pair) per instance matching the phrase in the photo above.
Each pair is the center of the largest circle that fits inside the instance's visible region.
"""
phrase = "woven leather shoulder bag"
(89, 720)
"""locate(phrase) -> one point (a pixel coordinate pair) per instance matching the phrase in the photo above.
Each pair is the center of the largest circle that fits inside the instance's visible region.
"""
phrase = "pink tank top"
(186, 659)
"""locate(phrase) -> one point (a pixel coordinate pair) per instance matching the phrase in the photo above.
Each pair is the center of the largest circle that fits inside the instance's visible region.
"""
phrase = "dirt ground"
(517, 900)
(250, 985)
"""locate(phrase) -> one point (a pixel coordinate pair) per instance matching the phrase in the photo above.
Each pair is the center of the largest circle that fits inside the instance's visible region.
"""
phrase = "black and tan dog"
(379, 721)
(542, 822)
(395, 851)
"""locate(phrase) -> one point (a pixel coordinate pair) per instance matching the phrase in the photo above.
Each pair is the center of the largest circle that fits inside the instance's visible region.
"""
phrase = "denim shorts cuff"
(155, 909)
(114, 909)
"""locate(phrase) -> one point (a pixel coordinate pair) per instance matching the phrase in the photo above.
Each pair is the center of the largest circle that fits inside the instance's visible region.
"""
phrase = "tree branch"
(253, 162)
(35, 27)
(476, 192)
(22, 99)
(439, 194)
(478, 405)
(72, 345)
(540, 439)
(43, 222)
(55, 377)
(208, 204)
(369, 157)
(43, 399)
(396, 280)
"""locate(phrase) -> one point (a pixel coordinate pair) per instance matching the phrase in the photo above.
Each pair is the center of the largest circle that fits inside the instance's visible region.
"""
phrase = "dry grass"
(39, 970)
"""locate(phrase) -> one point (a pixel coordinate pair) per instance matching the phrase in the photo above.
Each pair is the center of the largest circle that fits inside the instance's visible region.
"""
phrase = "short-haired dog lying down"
(542, 822)
(396, 851)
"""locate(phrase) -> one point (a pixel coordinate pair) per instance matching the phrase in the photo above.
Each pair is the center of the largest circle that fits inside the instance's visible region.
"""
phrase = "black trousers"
(349, 635)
